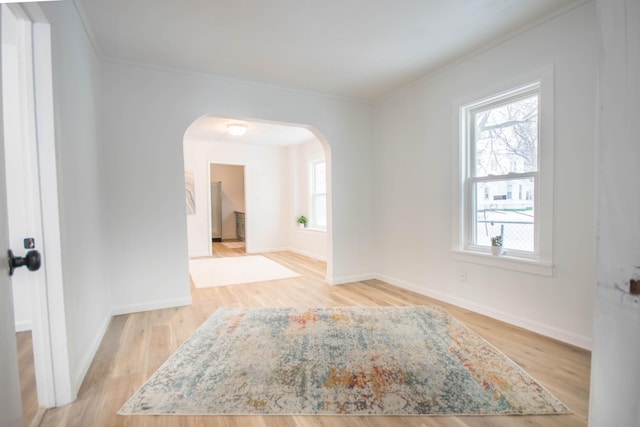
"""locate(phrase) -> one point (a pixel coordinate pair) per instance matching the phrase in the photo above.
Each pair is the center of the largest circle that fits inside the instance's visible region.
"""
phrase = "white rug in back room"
(208, 272)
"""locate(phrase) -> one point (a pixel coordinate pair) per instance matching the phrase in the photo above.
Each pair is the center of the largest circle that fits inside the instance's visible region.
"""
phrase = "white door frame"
(51, 358)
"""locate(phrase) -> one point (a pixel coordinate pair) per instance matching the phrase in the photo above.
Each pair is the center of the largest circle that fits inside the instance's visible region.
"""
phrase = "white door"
(28, 171)
(10, 403)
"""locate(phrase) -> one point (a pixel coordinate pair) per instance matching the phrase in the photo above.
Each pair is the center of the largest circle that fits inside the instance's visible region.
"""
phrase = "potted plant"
(302, 221)
(496, 245)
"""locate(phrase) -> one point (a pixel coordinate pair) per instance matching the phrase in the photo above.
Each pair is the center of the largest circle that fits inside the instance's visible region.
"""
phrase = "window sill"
(532, 266)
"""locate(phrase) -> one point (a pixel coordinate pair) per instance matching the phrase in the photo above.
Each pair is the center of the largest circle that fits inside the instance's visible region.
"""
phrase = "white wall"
(615, 379)
(85, 254)
(146, 113)
(413, 140)
(266, 197)
(309, 242)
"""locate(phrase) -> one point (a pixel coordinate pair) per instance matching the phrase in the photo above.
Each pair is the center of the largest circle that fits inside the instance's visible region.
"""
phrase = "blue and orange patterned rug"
(327, 361)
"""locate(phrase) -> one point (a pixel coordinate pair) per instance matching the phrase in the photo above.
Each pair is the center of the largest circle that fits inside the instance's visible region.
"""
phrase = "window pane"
(320, 211)
(320, 178)
(506, 138)
(499, 215)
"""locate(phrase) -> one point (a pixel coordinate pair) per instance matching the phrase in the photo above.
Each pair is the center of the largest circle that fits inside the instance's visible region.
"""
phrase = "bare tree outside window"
(506, 134)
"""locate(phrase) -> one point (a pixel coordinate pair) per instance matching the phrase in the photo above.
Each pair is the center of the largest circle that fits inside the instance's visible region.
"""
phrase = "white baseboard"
(530, 325)
(154, 305)
(262, 250)
(308, 254)
(23, 325)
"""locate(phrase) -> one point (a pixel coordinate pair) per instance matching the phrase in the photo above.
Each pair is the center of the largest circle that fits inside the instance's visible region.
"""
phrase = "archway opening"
(287, 174)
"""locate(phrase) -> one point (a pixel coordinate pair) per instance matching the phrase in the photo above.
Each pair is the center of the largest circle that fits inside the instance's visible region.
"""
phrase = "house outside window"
(506, 143)
(318, 194)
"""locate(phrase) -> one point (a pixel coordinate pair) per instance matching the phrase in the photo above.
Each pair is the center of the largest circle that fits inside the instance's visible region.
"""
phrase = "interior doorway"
(227, 203)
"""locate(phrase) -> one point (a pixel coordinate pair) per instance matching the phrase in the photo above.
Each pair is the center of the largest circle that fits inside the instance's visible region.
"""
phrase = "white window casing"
(466, 246)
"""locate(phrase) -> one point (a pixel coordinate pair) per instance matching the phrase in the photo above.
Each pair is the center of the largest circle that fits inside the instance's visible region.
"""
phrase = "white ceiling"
(359, 49)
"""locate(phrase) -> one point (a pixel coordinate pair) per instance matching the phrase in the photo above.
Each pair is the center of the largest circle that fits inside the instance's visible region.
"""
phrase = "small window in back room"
(319, 194)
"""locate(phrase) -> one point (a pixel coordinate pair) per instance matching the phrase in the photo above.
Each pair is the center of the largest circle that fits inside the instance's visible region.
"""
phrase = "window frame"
(471, 179)
(313, 195)
(539, 261)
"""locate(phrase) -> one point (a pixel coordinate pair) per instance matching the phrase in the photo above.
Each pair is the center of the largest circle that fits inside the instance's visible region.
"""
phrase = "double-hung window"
(319, 194)
(502, 188)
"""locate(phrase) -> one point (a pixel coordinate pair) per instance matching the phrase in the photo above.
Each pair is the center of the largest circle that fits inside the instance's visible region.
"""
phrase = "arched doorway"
(277, 159)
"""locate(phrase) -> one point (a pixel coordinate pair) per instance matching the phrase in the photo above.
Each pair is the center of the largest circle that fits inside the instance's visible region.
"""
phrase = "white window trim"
(540, 262)
(314, 226)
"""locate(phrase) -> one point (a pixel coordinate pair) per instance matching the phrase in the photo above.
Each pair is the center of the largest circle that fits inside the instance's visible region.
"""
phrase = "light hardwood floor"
(135, 345)
(27, 377)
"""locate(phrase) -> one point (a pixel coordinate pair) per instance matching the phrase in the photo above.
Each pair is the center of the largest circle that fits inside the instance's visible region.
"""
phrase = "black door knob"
(31, 260)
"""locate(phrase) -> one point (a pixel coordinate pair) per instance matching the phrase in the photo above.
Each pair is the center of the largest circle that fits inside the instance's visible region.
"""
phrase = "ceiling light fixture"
(236, 129)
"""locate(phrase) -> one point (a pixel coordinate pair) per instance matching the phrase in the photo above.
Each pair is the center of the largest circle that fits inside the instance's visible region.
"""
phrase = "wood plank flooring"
(135, 345)
(27, 377)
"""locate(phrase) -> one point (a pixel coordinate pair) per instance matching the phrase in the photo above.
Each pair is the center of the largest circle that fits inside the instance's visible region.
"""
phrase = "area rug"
(208, 272)
(328, 361)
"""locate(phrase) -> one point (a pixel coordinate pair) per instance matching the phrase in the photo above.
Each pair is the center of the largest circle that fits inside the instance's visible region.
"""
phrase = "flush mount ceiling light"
(236, 129)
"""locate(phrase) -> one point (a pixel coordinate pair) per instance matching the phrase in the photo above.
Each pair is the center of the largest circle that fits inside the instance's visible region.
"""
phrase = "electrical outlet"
(462, 276)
